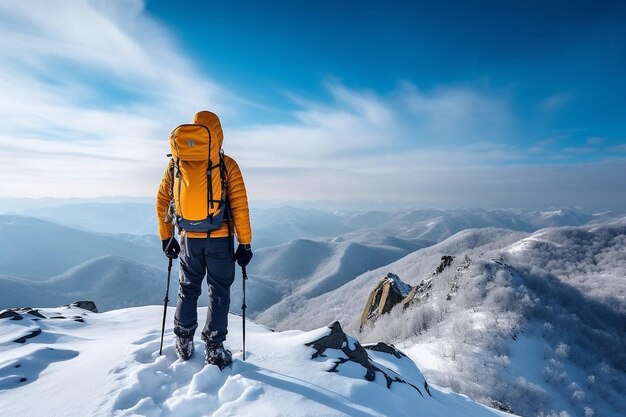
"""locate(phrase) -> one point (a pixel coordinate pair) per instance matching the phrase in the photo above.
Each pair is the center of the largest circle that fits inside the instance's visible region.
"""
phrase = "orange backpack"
(199, 179)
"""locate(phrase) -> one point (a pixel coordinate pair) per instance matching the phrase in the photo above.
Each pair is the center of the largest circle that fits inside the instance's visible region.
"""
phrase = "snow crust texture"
(108, 365)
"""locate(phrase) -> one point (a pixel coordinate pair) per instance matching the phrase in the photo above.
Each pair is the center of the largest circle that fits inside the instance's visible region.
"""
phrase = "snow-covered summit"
(76, 362)
(401, 287)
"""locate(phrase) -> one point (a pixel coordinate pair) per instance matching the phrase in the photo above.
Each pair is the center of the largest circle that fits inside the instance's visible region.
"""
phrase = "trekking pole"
(243, 307)
(165, 301)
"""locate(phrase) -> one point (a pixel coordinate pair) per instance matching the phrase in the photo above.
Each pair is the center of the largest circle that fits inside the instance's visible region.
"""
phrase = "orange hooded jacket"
(235, 189)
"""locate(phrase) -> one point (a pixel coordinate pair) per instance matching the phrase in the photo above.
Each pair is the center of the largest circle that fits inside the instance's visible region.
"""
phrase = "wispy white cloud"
(449, 146)
(58, 110)
(362, 125)
(87, 101)
(459, 115)
(114, 40)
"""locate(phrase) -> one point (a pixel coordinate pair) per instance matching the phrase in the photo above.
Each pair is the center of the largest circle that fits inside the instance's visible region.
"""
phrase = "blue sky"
(559, 64)
(486, 103)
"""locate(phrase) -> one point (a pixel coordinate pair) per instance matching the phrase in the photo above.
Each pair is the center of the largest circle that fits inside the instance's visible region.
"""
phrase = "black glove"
(243, 255)
(174, 248)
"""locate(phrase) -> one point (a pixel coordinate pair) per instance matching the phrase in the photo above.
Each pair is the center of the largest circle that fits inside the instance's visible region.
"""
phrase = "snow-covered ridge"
(532, 322)
(401, 287)
(83, 363)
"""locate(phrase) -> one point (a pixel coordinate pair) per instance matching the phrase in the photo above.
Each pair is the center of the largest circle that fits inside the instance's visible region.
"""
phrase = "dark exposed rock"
(36, 313)
(392, 350)
(30, 335)
(384, 347)
(35, 316)
(446, 261)
(354, 352)
(388, 293)
(10, 314)
(86, 305)
(499, 405)
(29, 310)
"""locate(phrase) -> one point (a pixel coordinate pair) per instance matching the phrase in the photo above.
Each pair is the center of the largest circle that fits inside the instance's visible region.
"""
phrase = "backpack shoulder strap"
(171, 166)
(170, 214)
(229, 217)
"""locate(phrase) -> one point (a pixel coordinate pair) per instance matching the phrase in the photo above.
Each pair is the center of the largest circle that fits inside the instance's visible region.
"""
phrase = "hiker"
(203, 193)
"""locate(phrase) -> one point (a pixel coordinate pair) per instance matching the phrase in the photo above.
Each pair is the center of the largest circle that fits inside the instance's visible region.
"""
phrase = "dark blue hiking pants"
(214, 259)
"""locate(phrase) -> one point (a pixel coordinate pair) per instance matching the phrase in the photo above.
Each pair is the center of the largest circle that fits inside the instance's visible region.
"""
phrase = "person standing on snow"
(209, 254)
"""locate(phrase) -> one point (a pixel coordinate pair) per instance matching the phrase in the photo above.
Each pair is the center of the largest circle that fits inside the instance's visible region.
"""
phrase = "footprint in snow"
(154, 385)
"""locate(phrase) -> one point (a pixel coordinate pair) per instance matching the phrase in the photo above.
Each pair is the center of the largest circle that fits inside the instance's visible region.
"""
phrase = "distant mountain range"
(279, 225)
(111, 281)
(533, 305)
(37, 249)
(346, 243)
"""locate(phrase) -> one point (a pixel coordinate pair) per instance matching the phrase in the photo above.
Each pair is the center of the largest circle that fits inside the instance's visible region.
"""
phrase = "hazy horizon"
(15, 204)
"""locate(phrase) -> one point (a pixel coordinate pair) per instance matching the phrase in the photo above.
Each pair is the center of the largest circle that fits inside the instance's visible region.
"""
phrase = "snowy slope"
(592, 259)
(534, 322)
(304, 269)
(107, 364)
(286, 276)
(347, 301)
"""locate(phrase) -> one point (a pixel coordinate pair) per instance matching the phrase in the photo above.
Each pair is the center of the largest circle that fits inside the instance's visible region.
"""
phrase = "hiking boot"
(184, 347)
(217, 354)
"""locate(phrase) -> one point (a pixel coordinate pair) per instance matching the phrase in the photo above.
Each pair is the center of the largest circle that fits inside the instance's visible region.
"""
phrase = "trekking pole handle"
(244, 278)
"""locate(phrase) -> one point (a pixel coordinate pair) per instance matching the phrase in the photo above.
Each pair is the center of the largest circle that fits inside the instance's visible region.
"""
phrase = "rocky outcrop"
(391, 291)
(30, 327)
(85, 305)
(446, 261)
(10, 314)
(350, 350)
(456, 281)
(387, 294)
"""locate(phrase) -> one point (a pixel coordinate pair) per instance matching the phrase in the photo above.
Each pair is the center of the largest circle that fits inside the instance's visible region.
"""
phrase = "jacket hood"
(212, 122)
